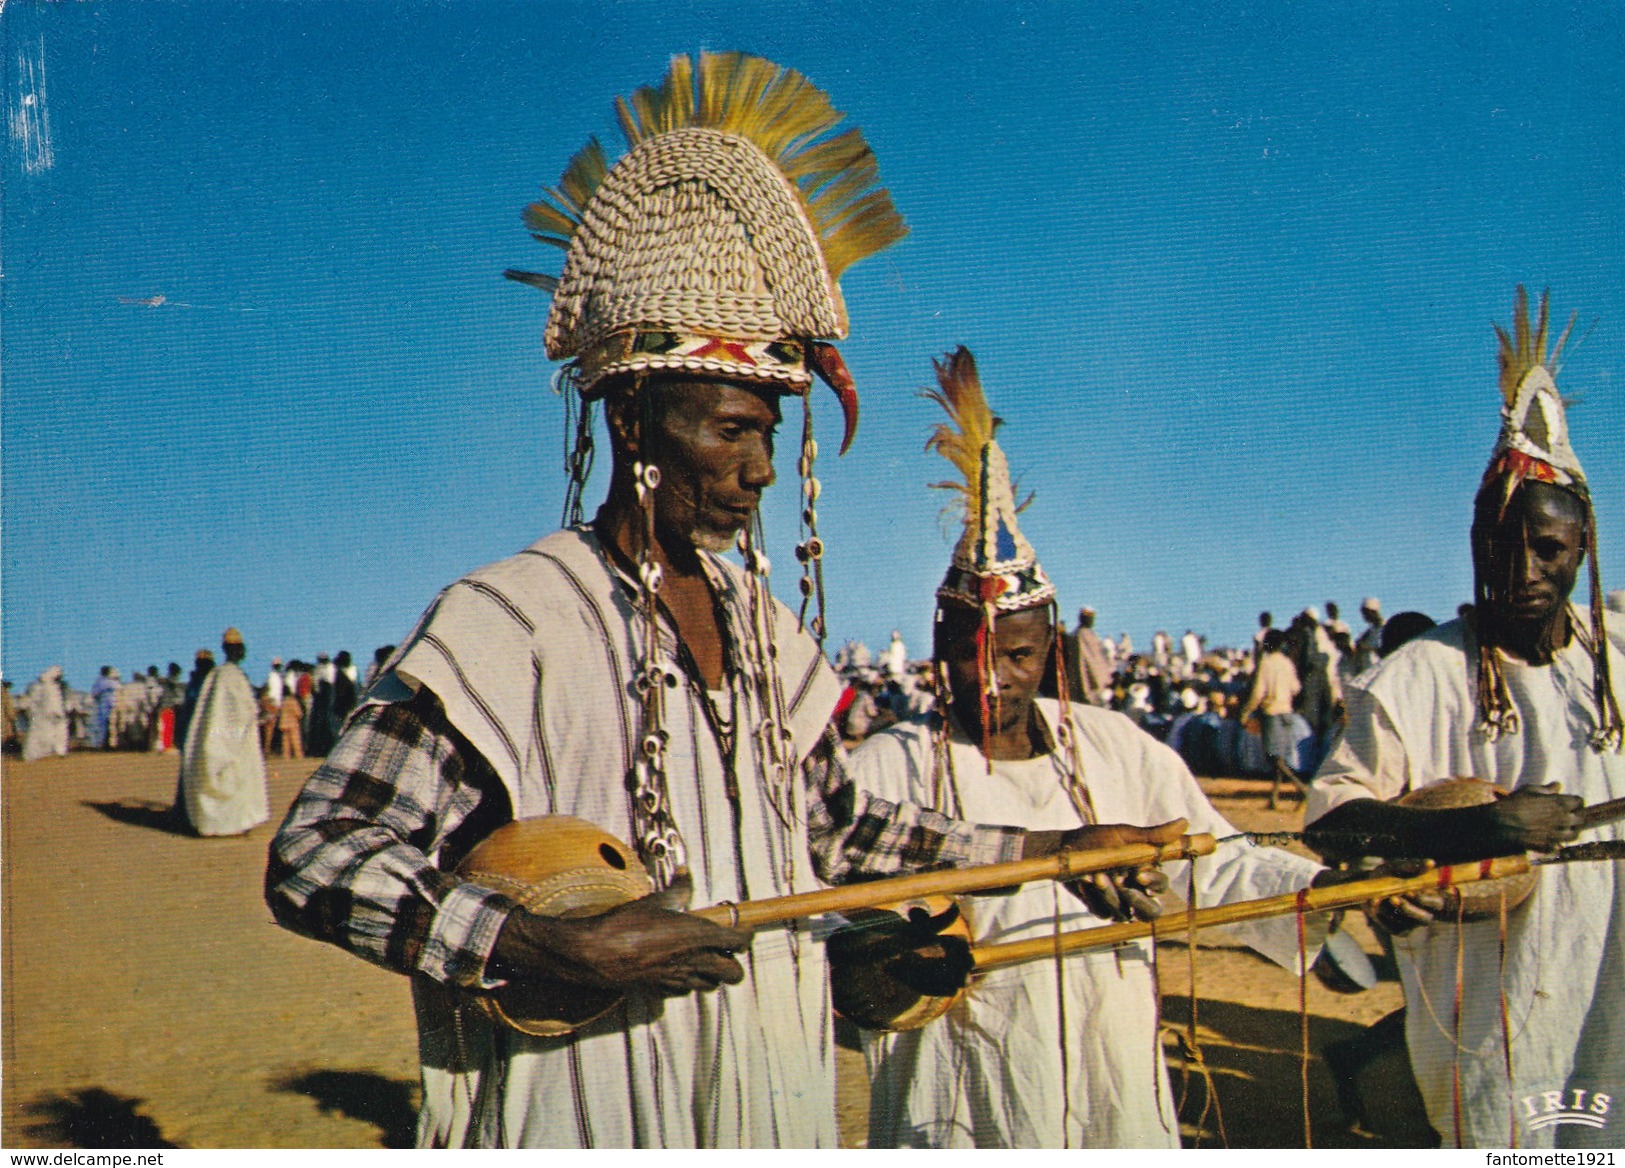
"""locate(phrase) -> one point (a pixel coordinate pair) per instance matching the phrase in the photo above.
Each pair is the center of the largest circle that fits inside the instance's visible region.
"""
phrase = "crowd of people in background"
(302, 707)
(1270, 708)
(1228, 711)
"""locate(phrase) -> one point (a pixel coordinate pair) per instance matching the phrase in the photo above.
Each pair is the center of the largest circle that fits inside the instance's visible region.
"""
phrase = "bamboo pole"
(1062, 865)
(1333, 896)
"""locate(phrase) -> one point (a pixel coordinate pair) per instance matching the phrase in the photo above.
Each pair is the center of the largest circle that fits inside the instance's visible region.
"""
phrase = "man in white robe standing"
(222, 783)
(998, 1070)
(47, 732)
(1519, 693)
(623, 672)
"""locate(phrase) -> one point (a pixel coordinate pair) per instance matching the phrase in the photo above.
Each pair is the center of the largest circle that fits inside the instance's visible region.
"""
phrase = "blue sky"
(1229, 272)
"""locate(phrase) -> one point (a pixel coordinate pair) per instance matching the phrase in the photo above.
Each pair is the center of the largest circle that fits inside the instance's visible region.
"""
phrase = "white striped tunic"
(533, 659)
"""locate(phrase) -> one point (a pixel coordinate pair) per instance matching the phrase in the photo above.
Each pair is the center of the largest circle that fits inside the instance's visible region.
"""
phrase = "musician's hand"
(1400, 914)
(910, 947)
(1531, 819)
(1101, 835)
(1123, 895)
(643, 945)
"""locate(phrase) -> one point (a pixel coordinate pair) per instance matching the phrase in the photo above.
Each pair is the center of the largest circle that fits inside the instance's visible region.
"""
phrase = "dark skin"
(1528, 561)
(1022, 643)
(713, 442)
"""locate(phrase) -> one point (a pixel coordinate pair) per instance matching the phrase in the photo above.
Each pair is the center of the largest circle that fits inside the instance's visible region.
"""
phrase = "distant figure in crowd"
(202, 663)
(291, 722)
(10, 740)
(894, 661)
(1125, 647)
(222, 784)
(47, 717)
(127, 729)
(379, 656)
(1093, 664)
(1405, 627)
(319, 735)
(1265, 622)
(1368, 645)
(1321, 699)
(1190, 647)
(1275, 686)
(270, 706)
(172, 694)
(344, 692)
(102, 692)
(1334, 621)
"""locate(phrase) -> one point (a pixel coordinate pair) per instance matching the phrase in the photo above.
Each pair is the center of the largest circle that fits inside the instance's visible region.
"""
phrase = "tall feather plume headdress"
(1533, 446)
(717, 242)
(994, 570)
(993, 564)
(1534, 438)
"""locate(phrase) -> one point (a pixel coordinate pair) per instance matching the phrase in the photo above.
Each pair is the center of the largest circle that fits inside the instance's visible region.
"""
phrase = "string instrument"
(874, 997)
(560, 866)
(1483, 899)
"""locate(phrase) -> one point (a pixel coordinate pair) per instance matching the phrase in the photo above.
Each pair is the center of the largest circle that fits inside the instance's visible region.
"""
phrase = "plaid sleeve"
(854, 835)
(350, 864)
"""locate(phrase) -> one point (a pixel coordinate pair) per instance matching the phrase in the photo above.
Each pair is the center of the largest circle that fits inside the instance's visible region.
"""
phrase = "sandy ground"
(149, 1000)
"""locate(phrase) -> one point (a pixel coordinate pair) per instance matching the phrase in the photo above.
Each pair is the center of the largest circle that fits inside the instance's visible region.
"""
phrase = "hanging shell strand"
(659, 843)
(810, 551)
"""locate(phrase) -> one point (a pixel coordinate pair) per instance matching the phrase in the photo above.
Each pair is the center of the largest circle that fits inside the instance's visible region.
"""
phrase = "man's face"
(713, 442)
(1530, 557)
(1021, 645)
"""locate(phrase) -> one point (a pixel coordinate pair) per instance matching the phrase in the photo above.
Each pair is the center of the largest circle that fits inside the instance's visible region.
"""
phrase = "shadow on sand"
(1254, 1059)
(142, 813)
(383, 1102)
(92, 1117)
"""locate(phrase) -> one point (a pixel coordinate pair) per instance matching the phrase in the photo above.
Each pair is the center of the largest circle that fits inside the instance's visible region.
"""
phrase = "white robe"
(533, 659)
(1412, 721)
(989, 1073)
(222, 771)
(47, 732)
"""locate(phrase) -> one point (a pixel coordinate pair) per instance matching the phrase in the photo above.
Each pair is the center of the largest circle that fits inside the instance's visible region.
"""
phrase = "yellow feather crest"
(783, 114)
(1526, 348)
(971, 424)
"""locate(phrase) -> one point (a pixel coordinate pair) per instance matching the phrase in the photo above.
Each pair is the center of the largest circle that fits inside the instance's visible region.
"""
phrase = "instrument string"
(1303, 1008)
(1455, 1058)
(1156, 1029)
(1190, 1046)
(1506, 1024)
(1060, 1017)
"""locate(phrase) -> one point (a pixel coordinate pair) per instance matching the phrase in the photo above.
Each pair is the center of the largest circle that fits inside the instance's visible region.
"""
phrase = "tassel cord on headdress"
(1610, 733)
(810, 551)
(1077, 789)
(578, 451)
